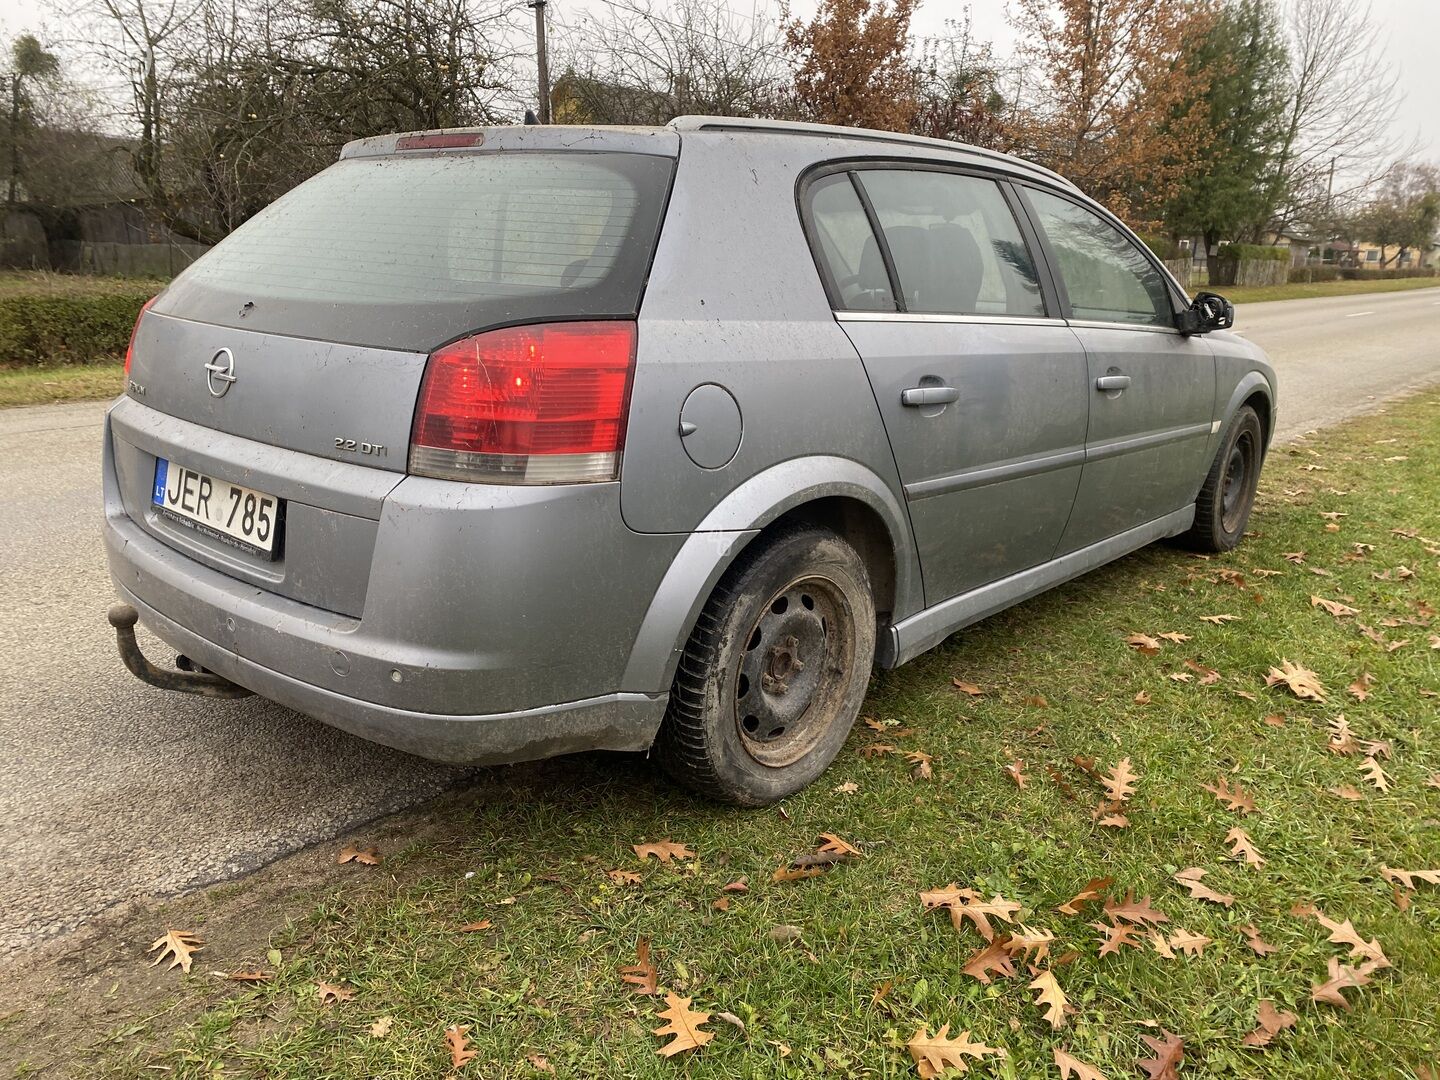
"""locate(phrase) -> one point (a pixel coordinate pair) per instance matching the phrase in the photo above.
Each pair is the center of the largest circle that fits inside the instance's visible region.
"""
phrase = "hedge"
(1302, 274)
(1164, 248)
(68, 327)
(1248, 252)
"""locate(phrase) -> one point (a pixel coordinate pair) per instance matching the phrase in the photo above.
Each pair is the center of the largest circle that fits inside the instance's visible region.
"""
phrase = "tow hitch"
(123, 618)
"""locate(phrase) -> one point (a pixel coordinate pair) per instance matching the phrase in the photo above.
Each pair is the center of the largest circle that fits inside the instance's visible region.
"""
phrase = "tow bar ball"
(123, 618)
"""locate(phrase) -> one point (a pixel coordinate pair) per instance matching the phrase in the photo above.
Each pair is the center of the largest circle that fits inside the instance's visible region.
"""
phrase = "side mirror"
(1209, 311)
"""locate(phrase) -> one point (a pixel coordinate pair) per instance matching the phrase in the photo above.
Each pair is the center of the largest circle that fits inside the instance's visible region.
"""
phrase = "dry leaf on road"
(180, 946)
(664, 850)
(683, 1023)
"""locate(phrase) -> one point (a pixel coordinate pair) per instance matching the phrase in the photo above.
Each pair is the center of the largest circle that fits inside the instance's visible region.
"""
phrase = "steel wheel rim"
(791, 676)
(1235, 491)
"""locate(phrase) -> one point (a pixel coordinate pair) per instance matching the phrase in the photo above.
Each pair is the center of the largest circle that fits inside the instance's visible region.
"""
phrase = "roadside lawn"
(49, 385)
(1253, 294)
(514, 915)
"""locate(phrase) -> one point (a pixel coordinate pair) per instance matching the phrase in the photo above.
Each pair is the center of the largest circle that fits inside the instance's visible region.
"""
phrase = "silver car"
(496, 444)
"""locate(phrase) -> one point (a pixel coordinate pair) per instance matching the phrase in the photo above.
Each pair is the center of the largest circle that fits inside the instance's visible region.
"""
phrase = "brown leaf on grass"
(1072, 1066)
(1374, 774)
(995, 956)
(1049, 994)
(1190, 879)
(1094, 890)
(540, 1063)
(1174, 636)
(738, 885)
(833, 845)
(920, 767)
(1257, 944)
(179, 946)
(1274, 720)
(1268, 1024)
(1378, 748)
(1334, 607)
(874, 750)
(246, 975)
(1242, 847)
(1296, 557)
(937, 1054)
(1135, 911)
(1342, 977)
(684, 1023)
(849, 787)
(1184, 941)
(1169, 1051)
(1030, 942)
(798, 873)
(381, 1028)
(457, 1041)
(1406, 878)
(1341, 739)
(1348, 792)
(1301, 681)
(664, 850)
(966, 687)
(1117, 936)
(1236, 798)
(1343, 933)
(1216, 620)
(1036, 701)
(1143, 644)
(473, 927)
(1208, 675)
(1360, 688)
(364, 856)
(980, 911)
(1142, 698)
(329, 993)
(721, 903)
(641, 974)
(1433, 780)
(1113, 821)
(1087, 766)
(625, 877)
(1120, 784)
(1016, 772)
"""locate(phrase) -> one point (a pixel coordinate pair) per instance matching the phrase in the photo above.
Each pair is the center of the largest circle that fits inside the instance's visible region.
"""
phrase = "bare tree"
(638, 63)
(1341, 106)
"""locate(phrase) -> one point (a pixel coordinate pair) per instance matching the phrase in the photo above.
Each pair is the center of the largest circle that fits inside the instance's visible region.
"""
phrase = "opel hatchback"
(496, 444)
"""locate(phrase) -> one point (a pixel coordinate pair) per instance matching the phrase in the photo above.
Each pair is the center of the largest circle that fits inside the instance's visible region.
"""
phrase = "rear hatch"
(286, 362)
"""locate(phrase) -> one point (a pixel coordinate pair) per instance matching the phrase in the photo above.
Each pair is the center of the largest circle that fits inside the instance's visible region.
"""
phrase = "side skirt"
(924, 630)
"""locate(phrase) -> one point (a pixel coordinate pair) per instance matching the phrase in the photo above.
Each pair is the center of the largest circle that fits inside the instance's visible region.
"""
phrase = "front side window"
(847, 248)
(955, 244)
(1105, 275)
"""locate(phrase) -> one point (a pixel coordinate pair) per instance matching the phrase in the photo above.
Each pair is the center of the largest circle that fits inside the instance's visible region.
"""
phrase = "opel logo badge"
(220, 372)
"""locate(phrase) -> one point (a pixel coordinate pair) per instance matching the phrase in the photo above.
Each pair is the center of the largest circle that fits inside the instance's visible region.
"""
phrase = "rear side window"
(410, 252)
(956, 246)
(848, 250)
(1105, 275)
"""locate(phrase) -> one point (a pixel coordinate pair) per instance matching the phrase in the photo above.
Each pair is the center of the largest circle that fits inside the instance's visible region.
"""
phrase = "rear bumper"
(497, 623)
(610, 722)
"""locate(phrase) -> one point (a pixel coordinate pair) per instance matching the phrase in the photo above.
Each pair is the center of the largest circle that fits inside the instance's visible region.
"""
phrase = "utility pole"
(541, 62)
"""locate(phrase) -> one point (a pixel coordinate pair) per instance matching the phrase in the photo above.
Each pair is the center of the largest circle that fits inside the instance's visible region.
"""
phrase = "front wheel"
(775, 671)
(1223, 507)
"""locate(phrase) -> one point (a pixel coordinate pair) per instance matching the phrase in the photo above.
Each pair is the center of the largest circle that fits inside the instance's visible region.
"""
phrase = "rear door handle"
(1112, 382)
(929, 395)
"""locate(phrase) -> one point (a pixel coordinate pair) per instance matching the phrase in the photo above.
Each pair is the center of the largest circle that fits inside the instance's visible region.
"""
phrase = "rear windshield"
(408, 253)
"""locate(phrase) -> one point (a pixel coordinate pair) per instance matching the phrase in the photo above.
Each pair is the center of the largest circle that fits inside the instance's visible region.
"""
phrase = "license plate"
(239, 516)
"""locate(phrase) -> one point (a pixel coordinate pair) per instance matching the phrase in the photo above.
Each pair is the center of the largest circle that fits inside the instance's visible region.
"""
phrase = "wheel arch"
(837, 493)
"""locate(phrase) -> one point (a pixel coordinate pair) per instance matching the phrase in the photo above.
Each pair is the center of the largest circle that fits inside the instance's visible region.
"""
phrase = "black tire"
(1228, 494)
(746, 724)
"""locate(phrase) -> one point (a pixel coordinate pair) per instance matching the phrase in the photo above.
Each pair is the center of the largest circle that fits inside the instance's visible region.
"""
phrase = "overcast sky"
(1411, 28)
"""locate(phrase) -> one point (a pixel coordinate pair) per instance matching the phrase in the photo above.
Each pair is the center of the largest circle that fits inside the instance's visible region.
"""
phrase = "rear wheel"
(1228, 494)
(774, 673)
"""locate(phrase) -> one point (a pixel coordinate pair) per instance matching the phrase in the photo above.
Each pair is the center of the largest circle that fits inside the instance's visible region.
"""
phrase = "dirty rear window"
(410, 252)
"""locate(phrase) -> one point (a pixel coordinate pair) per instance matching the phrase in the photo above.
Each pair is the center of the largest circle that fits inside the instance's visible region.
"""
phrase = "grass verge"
(530, 849)
(50, 385)
(1241, 294)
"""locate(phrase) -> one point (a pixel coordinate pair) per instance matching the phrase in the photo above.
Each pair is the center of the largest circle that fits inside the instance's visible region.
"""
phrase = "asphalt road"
(110, 790)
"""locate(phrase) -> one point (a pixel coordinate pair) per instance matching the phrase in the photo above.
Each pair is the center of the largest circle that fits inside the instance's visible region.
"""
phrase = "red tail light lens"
(539, 404)
(130, 349)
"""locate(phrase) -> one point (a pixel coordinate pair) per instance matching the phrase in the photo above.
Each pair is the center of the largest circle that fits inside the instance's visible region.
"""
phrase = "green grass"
(44, 283)
(1241, 294)
(528, 848)
(48, 385)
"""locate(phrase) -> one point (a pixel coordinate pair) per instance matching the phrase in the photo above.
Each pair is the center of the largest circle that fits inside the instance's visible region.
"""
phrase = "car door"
(1151, 390)
(981, 389)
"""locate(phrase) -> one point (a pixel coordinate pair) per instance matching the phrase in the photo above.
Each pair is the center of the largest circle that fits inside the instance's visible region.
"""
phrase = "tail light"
(130, 349)
(542, 404)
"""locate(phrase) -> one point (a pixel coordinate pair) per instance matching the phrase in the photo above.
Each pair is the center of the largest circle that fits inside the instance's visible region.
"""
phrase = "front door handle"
(929, 395)
(1112, 382)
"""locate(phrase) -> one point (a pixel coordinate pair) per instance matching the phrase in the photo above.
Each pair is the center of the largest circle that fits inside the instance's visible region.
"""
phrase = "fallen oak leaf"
(1117, 936)
(937, 1054)
(1143, 644)
(833, 845)
(1135, 911)
(1341, 739)
(1344, 933)
(1030, 942)
(1334, 607)
(1347, 792)
(473, 927)
(920, 767)
(1169, 1050)
(684, 1024)
(874, 750)
(1268, 1023)
(738, 885)
(1375, 775)
(1072, 1066)
(540, 1063)
(1175, 636)
(1301, 681)
(381, 1028)
(457, 1041)
(625, 877)
(1236, 798)
(1342, 977)
(245, 975)
(1094, 889)
(966, 687)
(642, 975)
(180, 946)
(1049, 994)
(1257, 944)
(1406, 878)
(1184, 941)
(332, 993)
(664, 850)
(364, 856)
(995, 956)
(1216, 620)
(1208, 675)
(1120, 784)
(1190, 877)
(1243, 848)
(1113, 821)
(1016, 771)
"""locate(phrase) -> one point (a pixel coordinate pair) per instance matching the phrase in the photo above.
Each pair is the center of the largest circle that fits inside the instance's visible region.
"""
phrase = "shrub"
(1350, 273)
(1251, 252)
(68, 325)
(1306, 274)
(1163, 247)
